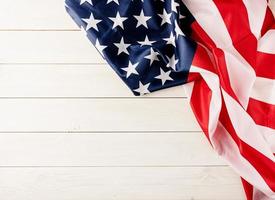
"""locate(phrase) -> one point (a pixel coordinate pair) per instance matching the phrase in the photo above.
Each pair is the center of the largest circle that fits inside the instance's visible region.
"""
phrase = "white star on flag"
(172, 62)
(174, 6)
(83, 1)
(165, 17)
(118, 20)
(152, 56)
(146, 42)
(178, 30)
(131, 69)
(164, 76)
(91, 22)
(171, 40)
(143, 89)
(122, 47)
(142, 19)
(115, 1)
(100, 47)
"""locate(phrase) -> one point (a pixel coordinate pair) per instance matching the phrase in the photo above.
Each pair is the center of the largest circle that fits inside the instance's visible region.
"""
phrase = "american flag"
(223, 51)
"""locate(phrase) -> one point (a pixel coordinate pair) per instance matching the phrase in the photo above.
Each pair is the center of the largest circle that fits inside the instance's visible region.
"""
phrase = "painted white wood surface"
(120, 183)
(34, 15)
(67, 80)
(47, 47)
(112, 114)
(107, 149)
(71, 130)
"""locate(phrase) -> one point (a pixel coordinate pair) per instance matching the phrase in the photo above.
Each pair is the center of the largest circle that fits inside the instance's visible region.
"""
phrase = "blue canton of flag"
(145, 42)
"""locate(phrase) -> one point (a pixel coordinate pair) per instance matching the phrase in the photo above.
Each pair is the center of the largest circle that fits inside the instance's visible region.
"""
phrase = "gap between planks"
(37, 30)
(117, 166)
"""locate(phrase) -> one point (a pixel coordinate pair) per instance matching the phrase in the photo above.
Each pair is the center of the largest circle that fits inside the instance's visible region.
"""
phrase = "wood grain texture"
(196, 183)
(71, 130)
(107, 149)
(80, 81)
(47, 47)
(34, 15)
(96, 115)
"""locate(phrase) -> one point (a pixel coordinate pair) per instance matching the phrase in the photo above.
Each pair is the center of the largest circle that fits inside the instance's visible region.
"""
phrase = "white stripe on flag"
(267, 43)
(269, 136)
(231, 153)
(271, 4)
(264, 90)
(212, 81)
(206, 13)
(208, 16)
(237, 114)
(256, 10)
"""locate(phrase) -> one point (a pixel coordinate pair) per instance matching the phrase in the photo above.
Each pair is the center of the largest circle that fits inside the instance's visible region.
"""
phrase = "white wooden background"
(71, 130)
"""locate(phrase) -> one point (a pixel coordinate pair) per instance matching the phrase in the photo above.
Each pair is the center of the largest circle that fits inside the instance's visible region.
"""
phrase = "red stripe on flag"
(218, 61)
(261, 163)
(269, 21)
(236, 20)
(202, 59)
(200, 103)
(235, 16)
(248, 188)
(265, 65)
(262, 113)
(201, 37)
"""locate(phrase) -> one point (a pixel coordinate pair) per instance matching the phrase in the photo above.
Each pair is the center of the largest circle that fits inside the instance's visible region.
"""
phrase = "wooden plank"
(68, 81)
(34, 15)
(47, 47)
(201, 183)
(137, 114)
(102, 149)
